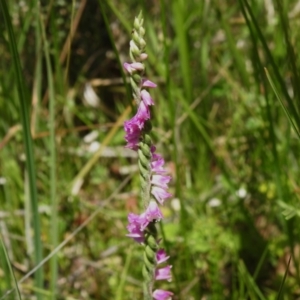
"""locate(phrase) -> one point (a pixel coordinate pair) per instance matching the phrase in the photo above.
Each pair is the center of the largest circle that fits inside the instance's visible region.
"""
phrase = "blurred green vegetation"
(229, 135)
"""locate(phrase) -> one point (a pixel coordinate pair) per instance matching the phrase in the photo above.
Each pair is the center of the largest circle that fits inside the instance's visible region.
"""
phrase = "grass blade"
(272, 61)
(237, 55)
(23, 98)
(52, 167)
(10, 269)
(120, 290)
(279, 296)
(252, 288)
(282, 11)
(281, 102)
(183, 47)
(128, 93)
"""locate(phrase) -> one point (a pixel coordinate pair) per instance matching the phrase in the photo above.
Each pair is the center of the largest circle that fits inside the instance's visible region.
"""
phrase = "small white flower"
(241, 193)
(175, 203)
(214, 202)
(2, 180)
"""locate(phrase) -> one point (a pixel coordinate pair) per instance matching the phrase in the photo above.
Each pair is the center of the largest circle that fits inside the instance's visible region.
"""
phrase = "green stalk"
(30, 164)
(253, 290)
(178, 11)
(128, 93)
(282, 11)
(281, 288)
(52, 168)
(37, 85)
(150, 250)
(237, 55)
(5, 254)
(120, 290)
(289, 117)
(144, 162)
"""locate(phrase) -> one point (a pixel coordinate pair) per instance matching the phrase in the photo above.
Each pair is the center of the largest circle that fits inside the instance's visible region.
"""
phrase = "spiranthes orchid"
(154, 181)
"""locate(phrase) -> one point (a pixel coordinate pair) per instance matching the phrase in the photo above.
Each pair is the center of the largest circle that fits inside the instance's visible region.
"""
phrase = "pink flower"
(163, 273)
(133, 133)
(157, 162)
(160, 194)
(161, 256)
(136, 66)
(146, 98)
(143, 56)
(161, 180)
(138, 223)
(134, 228)
(148, 83)
(134, 126)
(152, 213)
(143, 112)
(162, 295)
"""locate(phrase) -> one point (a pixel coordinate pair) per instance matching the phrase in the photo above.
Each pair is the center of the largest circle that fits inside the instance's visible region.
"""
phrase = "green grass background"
(226, 119)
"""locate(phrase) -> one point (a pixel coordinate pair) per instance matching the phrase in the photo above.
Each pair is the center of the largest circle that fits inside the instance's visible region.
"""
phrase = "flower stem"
(150, 250)
(144, 153)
